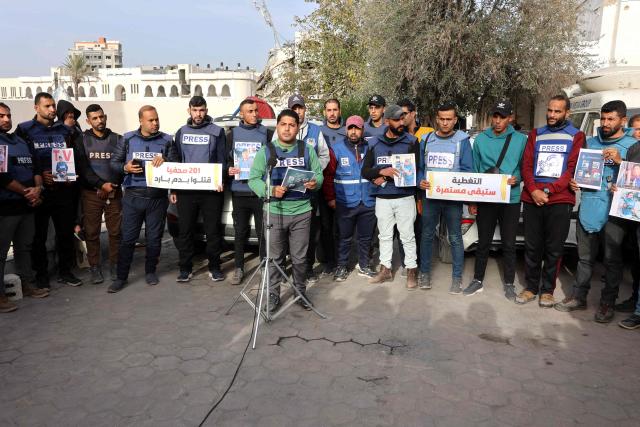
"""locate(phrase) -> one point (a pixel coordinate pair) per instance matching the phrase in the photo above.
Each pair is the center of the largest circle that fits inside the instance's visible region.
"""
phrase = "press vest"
(198, 145)
(45, 139)
(351, 189)
(370, 132)
(246, 138)
(383, 157)
(297, 158)
(144, 149)
(443, 154)
(313, 133)
(595, 204)
(99, 153)
(552, 150)
(19, 164)
(333, 135)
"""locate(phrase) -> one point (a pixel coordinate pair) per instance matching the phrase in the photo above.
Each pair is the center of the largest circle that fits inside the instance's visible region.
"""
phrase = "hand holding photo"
(589, 169)
(294, 179)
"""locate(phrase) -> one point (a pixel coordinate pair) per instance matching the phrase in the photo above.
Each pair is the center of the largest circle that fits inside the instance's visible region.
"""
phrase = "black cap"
(502, 107)
(377, 100)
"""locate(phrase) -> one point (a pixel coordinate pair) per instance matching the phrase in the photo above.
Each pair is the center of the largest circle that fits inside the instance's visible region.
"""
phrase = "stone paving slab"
(160, 356)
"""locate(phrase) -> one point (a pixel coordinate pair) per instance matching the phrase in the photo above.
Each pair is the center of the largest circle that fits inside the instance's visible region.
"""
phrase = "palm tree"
(75, 66)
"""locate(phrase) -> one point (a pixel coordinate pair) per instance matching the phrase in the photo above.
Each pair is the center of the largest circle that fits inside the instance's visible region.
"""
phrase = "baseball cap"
(296, 99)
(393, 112)
(377, 100)
(355, 121)
(502, 107)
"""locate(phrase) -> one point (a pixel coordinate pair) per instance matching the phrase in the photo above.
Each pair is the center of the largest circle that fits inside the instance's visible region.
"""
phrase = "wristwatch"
(546, 191)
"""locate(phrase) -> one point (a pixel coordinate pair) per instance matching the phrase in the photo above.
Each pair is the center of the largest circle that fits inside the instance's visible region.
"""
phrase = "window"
(591, 124)
(225, 91)
(576, 119)
(108, 57)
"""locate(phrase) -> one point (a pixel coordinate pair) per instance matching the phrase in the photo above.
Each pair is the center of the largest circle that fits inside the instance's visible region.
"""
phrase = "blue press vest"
(45, 139)
(595, 204)
(333, 135)
(285, 160)
(552, 150)
(19, 164)
(99, 152)
(313, 133)
(198, 145)
(443, 154)
(382, 153)
(371, 132)
(351, 188)
(145, 150)
(243, 134)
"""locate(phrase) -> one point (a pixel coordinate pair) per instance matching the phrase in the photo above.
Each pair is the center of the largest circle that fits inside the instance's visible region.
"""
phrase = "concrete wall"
(123, 116)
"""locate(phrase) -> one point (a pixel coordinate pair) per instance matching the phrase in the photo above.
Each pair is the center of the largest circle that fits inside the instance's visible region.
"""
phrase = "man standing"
(548, 165)
(446, 150)
(59, 198)
(321, 229)
(137, 150)
(252, 135)
(199, 141)
(20, 190)
(290, 210)
(498, 149)
(593, 217)
(332, 128)
(101, 193)
(394, 206)
(375, 125)
(350, 196)
(410, 120)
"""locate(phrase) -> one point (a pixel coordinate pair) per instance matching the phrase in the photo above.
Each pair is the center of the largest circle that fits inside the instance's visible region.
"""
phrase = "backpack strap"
(301, 148)
(272, 160)
(504, 151)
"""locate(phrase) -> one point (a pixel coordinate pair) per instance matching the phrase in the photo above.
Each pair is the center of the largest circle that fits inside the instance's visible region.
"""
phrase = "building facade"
(99, 54)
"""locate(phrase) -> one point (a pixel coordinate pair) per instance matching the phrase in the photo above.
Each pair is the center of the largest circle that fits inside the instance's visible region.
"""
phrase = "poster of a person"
(4, 163)
(63, 165)
(294, 179)
(589, 169)
(405, 164)
(244, 154)
(549, 165)
(626, 198)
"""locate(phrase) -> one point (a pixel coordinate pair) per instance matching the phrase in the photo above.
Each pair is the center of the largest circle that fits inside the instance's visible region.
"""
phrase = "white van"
(585, 109)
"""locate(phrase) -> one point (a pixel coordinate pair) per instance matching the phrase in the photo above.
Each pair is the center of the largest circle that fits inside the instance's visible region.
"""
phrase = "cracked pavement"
(160, 356)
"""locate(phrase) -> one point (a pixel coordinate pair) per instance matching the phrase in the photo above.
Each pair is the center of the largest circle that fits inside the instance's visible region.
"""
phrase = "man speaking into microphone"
(290, 210)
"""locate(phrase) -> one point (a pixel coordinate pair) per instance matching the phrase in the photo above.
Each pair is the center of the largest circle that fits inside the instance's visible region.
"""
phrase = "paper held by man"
(185, 176)
(468, 187)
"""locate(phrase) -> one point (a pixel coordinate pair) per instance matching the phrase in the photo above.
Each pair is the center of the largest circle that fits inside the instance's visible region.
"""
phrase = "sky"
(37, 33)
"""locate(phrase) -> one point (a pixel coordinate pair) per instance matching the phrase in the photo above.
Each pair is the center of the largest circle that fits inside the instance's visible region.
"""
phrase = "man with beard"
(290, 211)
(245, 202)
(375, 125)
(59, 198)
(143, 148)
(395, 206)
(445, 150)
(411, 122)
(199, 141)
(20, 188)
(594, 224)
(351, 198)
(548, 199)
(332, 128)
(101, 193)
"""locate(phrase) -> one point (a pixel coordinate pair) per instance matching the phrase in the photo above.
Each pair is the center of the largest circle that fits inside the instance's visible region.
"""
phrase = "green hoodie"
(487, 148)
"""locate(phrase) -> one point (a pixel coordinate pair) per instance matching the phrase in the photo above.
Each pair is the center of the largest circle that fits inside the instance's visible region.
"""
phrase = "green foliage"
(76, 67)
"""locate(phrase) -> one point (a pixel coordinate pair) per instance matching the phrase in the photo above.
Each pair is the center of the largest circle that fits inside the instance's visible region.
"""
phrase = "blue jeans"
(451, 213)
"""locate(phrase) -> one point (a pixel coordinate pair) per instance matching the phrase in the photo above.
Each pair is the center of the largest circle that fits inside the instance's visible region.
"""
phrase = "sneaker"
(571, 304)
(412, 279)
(341, 274)
(7, 306)
(238, 275)
(474, 287)
(631, 322)
(96, 275)
(509, 291)
(302, 303)
(384, 275)
(604, 314)
(546, 300)
(626, 306)
(216, 275)
(403, 272)
(525, 297)
(113, 272)
(184, 276)
(312, 277)
(69, 279)
(35, 292)
(274, 303)
(116, 286)
(151, 279)
(42, 282)
(365, 271)
(327, 271)
(424, 281)
(456, 286)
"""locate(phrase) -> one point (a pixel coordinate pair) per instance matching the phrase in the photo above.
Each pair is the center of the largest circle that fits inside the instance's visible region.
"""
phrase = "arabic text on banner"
(469, 187)
(184, 176)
